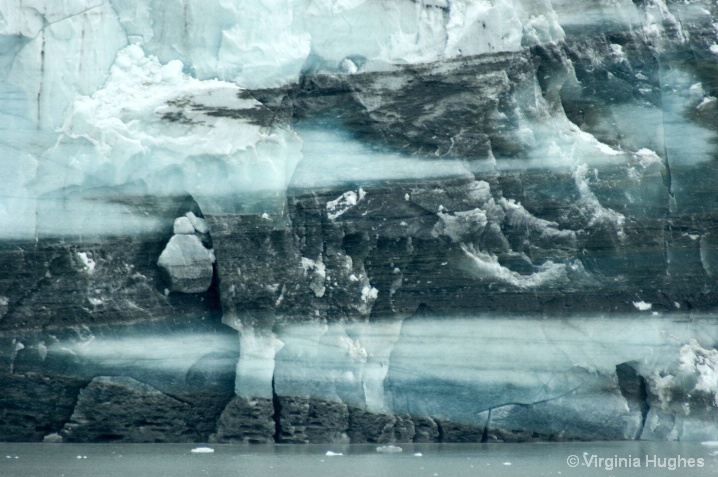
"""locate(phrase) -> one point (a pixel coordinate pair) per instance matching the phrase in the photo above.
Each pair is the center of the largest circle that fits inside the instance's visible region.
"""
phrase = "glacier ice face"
(426, 219)
(457, 369)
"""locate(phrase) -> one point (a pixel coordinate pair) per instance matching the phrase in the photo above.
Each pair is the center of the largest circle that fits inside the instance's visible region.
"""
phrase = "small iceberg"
(330, 453)
(202, 450)
(389, 449)
(710, 443)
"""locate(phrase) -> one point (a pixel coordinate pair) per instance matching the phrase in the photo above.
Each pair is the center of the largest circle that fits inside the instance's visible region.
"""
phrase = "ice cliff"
(358, 220)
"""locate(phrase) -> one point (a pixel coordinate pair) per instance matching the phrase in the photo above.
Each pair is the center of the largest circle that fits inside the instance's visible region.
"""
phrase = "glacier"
(376, 221)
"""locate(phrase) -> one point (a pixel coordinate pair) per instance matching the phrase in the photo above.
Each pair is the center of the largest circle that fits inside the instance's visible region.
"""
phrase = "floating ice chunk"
(389, 449)
(710, 443)
(202, 450)
(330, 453)
(714, 49)
(642, 305)
(418, 454)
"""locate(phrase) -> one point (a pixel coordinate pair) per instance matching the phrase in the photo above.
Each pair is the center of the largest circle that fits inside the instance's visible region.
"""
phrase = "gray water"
(454, 460)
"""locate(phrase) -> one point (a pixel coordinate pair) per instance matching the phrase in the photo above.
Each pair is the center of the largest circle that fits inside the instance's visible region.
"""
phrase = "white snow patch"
(714, 49)
(42, 350)
(486, 266)
(88, 263)
(355, 349)
(617, 51)
(642, 305)
(369, 294)
(696, 91)
(599, 213)
(344, 202)
(647, 157)
(460, 226)
(317, 271)
(349, 66)
(707, 102)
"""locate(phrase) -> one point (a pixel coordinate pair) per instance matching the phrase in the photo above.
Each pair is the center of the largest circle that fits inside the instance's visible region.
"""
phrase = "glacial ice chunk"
(202, 450)
(187, 263)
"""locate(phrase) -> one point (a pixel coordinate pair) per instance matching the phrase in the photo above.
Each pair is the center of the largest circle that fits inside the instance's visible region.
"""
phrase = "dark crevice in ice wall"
(633, 389)
(439, 428)
(485, 435)
(277, 416)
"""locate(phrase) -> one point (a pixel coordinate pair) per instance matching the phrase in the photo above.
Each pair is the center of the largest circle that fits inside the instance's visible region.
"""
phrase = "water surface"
(455, 460)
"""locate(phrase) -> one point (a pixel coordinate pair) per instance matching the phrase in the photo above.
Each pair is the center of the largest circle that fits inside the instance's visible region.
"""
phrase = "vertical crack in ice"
(277, 415)
(440, 430)
(487, 426)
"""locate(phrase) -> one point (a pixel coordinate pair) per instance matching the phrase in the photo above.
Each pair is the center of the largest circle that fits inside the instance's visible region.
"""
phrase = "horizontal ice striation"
(456, 369)
(358, 163)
